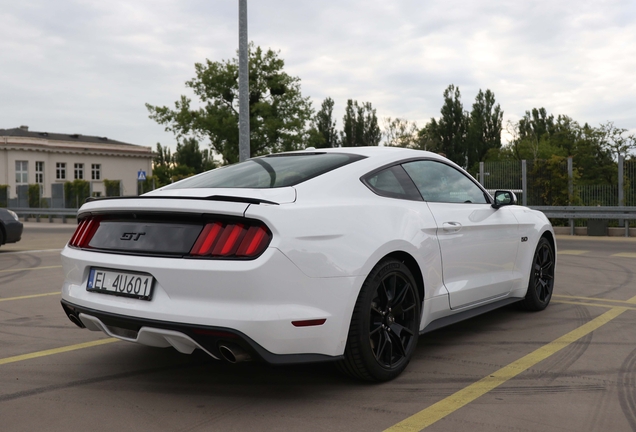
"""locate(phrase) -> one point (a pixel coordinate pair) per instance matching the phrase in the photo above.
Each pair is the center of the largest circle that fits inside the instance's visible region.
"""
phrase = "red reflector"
(309, 323)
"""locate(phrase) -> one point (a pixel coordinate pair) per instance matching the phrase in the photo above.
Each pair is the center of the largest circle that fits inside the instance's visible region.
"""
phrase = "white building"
(51, 159)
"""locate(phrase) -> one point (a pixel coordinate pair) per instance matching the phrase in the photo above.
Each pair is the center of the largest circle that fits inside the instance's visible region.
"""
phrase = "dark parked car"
(10, 227)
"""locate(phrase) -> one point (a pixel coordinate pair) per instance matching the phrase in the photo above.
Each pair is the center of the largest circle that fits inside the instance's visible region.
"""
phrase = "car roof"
(373, 151)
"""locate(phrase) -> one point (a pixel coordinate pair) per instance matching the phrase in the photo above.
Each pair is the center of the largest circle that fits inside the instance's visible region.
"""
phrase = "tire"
(541, 283)
(385, 324)
(1, 236)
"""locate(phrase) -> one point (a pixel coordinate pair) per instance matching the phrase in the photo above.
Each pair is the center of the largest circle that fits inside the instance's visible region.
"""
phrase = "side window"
(438, 182)
(392, 182)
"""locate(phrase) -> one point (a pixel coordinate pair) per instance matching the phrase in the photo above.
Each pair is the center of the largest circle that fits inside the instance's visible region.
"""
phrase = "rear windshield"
(269, 172)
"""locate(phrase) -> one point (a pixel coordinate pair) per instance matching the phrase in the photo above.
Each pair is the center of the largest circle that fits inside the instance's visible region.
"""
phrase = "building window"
(79, 171)
(21, 172)
(96, 172)
(60, 171)
(39, 172)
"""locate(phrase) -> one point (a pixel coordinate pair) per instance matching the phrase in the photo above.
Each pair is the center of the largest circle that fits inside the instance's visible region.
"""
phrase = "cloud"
(89, 66)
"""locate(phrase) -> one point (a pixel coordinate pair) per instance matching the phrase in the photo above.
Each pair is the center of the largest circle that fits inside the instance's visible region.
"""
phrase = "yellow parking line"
(631, 301)
(625, 255)
(56, 351)
(30, 268)
(447, 406)
(29, 296)
(571, 252)
(591, 304)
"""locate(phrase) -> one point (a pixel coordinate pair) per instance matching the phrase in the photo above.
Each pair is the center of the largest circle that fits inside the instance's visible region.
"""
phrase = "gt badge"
(524, 239)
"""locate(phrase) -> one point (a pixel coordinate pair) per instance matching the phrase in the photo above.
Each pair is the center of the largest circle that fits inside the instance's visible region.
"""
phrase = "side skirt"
(470, 313)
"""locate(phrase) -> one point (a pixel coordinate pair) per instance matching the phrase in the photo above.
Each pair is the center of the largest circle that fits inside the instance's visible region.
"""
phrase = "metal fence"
(629, 171)
(554, 182)
(67, 195)
(597, 195)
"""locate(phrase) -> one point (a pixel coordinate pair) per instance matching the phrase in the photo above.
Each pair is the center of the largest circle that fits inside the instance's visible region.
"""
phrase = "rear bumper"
(254, 300)
(207, 338)
(13, 230)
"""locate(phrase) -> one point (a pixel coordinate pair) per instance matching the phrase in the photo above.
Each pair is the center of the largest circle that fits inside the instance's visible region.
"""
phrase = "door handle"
(451, 227)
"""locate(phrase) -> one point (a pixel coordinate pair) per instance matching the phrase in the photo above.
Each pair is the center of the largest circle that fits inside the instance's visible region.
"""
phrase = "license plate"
(121, 283)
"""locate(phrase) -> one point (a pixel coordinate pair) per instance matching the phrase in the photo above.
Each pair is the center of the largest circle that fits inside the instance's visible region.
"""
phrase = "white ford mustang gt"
(342, 254)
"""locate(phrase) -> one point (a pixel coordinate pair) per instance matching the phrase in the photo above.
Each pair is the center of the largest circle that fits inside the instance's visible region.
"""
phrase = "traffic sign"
(141, 175)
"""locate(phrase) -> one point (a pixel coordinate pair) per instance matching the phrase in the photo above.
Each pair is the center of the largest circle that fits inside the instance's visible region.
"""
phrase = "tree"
(162, 165)
(613, 139)
(449, 132)
(539, 138)
(535, 124)
(323, 133)
(371, 133)
(278, 111)
(399, 132)
(360, 125)
(189, 155)
(426, 139)
(484, 127)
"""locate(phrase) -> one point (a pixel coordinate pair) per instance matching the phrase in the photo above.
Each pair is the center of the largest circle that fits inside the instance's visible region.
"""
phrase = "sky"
(89, 67)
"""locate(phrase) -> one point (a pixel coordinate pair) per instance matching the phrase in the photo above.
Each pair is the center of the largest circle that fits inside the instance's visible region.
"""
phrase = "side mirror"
(504, 198)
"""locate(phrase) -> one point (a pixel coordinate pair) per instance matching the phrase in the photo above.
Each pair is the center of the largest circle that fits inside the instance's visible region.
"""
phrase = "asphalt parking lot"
(571, 367)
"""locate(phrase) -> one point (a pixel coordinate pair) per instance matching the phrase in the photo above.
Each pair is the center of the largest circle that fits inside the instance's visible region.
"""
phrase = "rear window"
(272, 171)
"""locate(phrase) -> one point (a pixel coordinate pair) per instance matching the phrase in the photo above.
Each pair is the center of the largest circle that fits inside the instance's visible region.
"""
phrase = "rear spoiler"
(226, 198)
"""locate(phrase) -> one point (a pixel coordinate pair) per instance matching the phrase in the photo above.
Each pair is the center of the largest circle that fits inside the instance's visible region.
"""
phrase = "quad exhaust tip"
(233, 353)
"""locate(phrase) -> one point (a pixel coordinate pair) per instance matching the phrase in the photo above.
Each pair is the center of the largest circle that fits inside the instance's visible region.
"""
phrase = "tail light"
(244, 239)
(231, 240)
(84, 232)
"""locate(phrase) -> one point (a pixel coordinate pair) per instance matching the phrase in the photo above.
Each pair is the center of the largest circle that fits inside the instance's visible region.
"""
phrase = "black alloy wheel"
(385, 324)
(541, 282)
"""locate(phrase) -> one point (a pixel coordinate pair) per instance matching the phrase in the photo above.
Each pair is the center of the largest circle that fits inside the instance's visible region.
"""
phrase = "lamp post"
(244, 103)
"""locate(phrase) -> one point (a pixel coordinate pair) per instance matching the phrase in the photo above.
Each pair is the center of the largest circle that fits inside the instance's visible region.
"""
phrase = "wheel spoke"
(375, 330)
(384, 289)
(387, 336)
(398, 342)
(392, 289)
(376, 310)
(381, 346)
(407, 309)
(397, 329)
(399, 298)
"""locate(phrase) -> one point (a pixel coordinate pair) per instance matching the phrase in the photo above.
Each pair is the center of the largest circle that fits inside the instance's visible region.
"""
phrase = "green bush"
(4, 195)
(112, 187)
(76, 192)
(35, 195)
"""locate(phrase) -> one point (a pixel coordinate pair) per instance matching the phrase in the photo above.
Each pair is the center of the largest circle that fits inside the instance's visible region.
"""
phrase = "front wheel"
(541, 281)
(385, 324)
